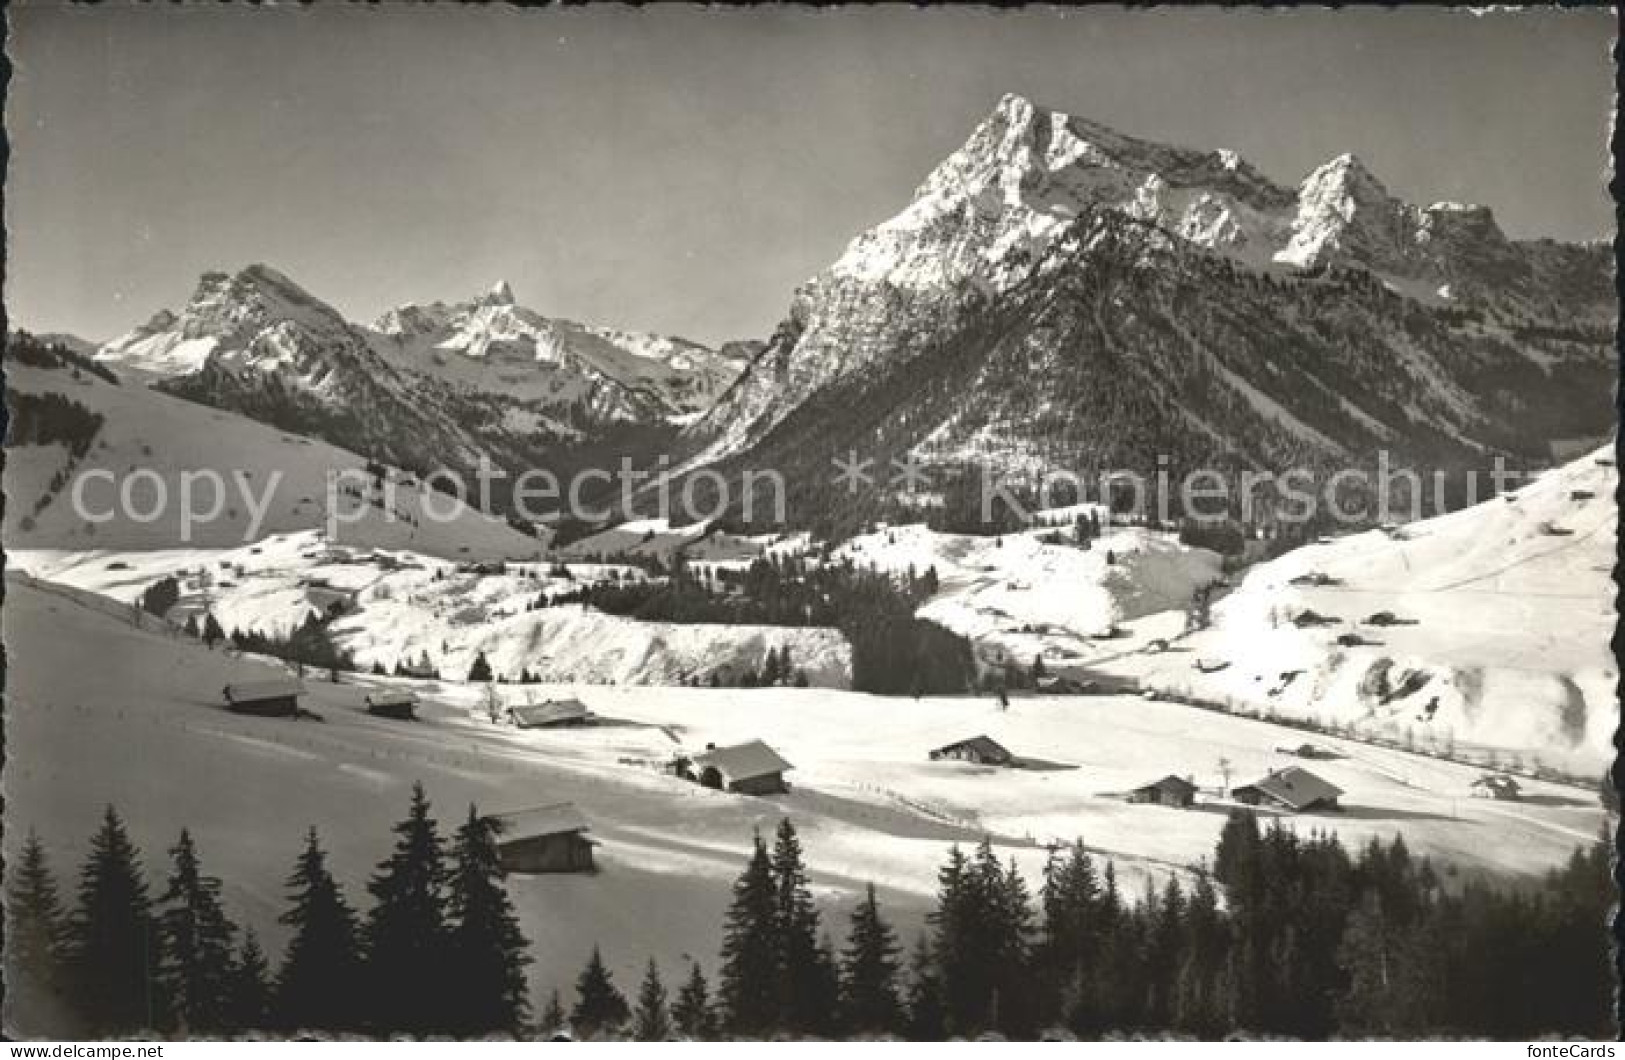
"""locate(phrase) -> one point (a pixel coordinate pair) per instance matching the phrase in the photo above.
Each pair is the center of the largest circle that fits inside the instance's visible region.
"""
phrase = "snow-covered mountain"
(428, 384)
(491, 344)
(1056, 286)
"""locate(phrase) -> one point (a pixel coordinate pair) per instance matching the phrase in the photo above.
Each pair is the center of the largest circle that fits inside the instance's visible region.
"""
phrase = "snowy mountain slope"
(1055, 286)
(867, 802)
(1491, 632)
(155, 441)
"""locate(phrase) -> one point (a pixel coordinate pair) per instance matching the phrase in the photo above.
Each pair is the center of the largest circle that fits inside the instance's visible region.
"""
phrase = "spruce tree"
(651, 1021)
(194, 971)
(748, 984)
(248, 993)
(481, 670)
(317, 986)
(34, 924)
(869, 971)
(487, 950)
(600, 1008)
(112, 953)
(212, 633)
(806, 974)
(554, 1020)
(692, 1012)
(927, 1019)
(405, 934)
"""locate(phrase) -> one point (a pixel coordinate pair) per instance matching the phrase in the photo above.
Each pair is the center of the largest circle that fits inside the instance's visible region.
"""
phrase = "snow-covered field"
(142, 728)
(401, 606)
(1499, 644)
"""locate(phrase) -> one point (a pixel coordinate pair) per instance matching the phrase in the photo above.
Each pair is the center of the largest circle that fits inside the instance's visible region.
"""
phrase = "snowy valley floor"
(100, 711)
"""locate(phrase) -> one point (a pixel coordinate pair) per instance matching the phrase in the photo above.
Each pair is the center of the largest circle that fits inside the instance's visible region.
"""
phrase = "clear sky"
(681, 170)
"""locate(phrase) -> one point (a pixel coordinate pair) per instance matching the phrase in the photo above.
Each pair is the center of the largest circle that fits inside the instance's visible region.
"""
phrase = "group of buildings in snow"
(553, 838)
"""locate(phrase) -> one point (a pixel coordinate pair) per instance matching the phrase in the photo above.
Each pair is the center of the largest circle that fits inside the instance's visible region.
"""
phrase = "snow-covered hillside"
(400, 607)
(1486, 629)
(280, 477)
(143, 729)
(1020, 597)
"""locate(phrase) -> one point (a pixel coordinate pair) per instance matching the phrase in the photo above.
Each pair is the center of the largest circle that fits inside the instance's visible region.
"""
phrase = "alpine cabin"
(1169, 791)
(751, 768)
(1293, 789)
(544, 839)
(982, 750)
(276, 698)
(400, 704)
(553, 714)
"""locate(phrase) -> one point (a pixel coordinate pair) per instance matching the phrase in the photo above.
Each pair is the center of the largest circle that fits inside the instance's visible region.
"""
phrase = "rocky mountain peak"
(500, 294)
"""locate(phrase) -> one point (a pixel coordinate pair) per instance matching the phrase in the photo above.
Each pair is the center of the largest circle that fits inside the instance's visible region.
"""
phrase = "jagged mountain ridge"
(1015, 219)
(429, 384)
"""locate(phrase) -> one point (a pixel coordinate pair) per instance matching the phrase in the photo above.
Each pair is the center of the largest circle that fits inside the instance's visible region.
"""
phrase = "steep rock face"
(1243, 318)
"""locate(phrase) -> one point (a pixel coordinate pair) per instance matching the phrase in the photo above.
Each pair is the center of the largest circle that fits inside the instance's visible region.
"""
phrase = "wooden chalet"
(1293, 789)
(275, 698)
(401, 704)
(553, 714)
(751, 768)
(1496, 786)
(983, 750)
(1169, 791)
(544, 839)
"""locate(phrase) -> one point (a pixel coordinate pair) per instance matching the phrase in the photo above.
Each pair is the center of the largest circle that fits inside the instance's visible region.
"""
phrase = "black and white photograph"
(775, 523)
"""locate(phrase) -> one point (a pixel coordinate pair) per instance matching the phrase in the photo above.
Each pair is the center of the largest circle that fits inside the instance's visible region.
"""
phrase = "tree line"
(893, 652)
(1281, 934)
(438, 951)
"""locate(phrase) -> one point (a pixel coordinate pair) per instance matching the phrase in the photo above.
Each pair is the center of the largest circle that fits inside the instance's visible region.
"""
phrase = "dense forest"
(1282, 934)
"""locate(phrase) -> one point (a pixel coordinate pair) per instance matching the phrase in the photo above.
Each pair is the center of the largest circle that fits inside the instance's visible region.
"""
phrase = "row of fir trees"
(438, 951)
(1283, 934)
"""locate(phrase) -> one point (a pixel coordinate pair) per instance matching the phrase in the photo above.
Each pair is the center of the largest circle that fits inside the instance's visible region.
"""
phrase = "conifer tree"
(248, 992)
(927, 1020)
(112, 952)
(651, 1020)
(600, 1007)
(692, 1012)
(554, 1020)
(317, 986)
(487, 950)
(194, 970)
(481, 670)
(748, 984)
(34, 918)
(212, 633)
(806, 975)
(869, 972)
(405, 934)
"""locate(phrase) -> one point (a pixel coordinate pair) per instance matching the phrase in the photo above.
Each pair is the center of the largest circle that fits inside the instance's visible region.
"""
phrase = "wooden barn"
(751, 768)
(544, 839)
(553, 714)
(1169, 791)
(401, 704)
(276, 698)
(983, 750)
(1293, 789)
(1496, 786)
